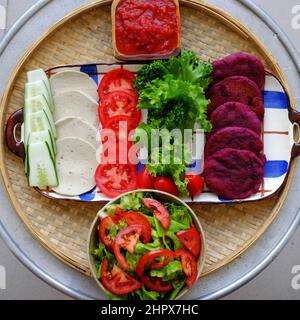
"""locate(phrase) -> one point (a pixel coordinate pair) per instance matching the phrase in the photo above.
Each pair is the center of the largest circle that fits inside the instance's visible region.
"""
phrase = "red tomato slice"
(127, 239)
(117, 281)
(191, 239)
(116, 80)
(196, 184)
(106, 224)
(148, 261)
(166, 254)
(121, 153)
(118, 215)
(167, 185)
(116, 179)
(156, 284)
(160, 212)
(132, 218)
(121, 125)
(189, 266)
(119, 103)
(145, 180)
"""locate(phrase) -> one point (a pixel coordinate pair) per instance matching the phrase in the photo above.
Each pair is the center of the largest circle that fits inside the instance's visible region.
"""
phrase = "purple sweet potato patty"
(240, 64)
(236, 89)
(235, 138)
(235, 114)
(234, 174)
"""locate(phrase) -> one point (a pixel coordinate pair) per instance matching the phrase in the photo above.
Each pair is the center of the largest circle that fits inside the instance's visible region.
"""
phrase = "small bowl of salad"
(146, 245)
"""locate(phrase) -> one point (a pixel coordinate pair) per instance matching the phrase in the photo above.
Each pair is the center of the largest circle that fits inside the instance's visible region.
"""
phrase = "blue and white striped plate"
(277, 135)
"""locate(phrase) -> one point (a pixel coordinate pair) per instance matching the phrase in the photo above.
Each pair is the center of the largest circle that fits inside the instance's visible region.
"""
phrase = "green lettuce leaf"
(132, 260)
(169, 272)
(179, 213)
(144, 294)
(178, 285)
(163, 93)
(142, 248)
(131, 202)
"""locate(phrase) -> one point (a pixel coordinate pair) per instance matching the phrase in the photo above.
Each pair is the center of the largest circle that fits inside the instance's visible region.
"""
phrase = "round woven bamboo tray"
(85, 37)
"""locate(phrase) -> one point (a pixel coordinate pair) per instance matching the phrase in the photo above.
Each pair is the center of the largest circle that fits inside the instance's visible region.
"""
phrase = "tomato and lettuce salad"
(148, 249)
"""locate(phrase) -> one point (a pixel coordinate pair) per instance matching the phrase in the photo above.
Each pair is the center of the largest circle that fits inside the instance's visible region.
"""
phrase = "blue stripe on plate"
(275, 100)
(140, 167)
(89, 196)
(196, 166)
(91, 70)
(224, 200)
(276, 169)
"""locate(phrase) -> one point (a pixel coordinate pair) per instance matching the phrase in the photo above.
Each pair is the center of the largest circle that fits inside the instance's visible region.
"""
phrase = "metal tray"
(222, 282)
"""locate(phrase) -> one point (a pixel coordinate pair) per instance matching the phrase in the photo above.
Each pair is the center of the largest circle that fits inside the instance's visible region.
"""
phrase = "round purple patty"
(235, 138)
(236, 89)
(234, 174)
(240, 64)
(235, 114)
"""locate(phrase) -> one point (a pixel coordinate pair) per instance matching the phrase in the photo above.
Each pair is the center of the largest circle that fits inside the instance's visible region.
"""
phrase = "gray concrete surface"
(273, 283)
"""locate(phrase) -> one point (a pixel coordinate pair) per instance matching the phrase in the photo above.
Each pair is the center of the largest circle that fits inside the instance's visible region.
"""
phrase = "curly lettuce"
(178, 99)
(186, 67)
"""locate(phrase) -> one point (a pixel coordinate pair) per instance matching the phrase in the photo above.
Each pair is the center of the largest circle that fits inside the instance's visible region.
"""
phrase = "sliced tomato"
(148, 261)
(132, 217)
(145, 180)
(165, 257)
(106, 224)
(117, 281)
(126, 239)
(196, 184)
(191, 239)
(160, 212)
(189, 266)
(116, 80)
(121, 125)
(167, 185)
(156, 284)
(116, 179)
(119, 103)
(122, 153)
(118, 215)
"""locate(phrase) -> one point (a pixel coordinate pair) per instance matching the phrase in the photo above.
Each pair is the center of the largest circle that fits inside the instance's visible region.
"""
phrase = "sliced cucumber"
(39, 74)
(36, 104)
(43, 136)
(41, 167)
(37, 88)
(36, 122)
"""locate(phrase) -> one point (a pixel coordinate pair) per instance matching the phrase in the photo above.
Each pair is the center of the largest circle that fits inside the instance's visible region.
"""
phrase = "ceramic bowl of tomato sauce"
(146, 30)
(118, 278)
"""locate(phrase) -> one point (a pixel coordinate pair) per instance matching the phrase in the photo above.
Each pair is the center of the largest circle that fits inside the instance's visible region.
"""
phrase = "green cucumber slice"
(41, 167)
(37, 122)
(36, 104)
(37, 88)
(43, 136)
(39, 74)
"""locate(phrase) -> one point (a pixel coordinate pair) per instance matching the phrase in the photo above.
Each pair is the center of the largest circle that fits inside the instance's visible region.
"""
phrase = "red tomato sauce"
(147, 27)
